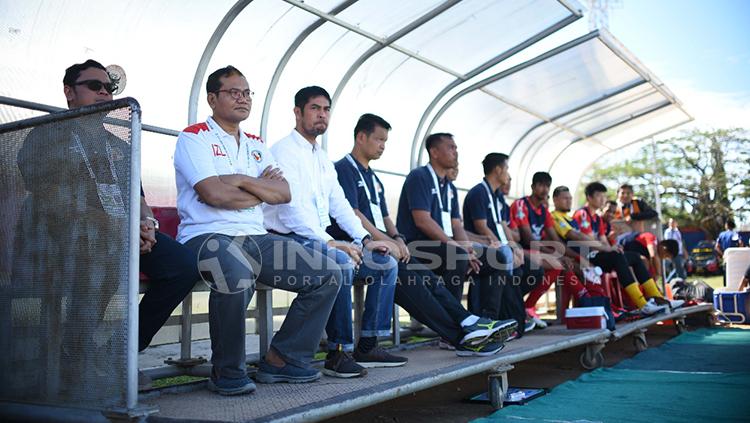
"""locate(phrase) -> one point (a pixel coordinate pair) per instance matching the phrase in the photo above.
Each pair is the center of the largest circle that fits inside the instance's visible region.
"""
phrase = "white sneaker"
(652, 308)
(539, 323)
(674, 304)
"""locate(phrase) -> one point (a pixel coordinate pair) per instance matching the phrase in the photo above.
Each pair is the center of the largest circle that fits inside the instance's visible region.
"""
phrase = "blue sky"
(700, 49)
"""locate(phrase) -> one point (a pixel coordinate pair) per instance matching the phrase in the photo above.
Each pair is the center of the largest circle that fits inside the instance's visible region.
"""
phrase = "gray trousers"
(231, 265)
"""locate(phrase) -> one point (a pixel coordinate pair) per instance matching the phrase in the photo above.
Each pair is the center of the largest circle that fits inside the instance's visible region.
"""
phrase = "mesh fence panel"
(64, 218)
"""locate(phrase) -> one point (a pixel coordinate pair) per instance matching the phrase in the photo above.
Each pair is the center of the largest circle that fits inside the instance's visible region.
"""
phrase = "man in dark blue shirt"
(429, 218)
(484, 206)
(419, 290)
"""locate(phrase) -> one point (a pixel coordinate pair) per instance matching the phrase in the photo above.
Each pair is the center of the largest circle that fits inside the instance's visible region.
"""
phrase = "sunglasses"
(96, 85)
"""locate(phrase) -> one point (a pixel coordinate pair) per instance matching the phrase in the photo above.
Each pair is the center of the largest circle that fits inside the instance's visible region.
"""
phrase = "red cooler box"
(586, 318)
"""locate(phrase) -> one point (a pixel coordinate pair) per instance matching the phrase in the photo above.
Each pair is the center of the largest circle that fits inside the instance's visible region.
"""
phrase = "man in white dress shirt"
(316, 198)
(223, 175)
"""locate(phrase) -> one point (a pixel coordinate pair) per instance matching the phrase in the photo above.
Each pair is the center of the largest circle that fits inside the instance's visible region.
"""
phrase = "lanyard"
(493, 202)
(437, 189)
(362, 178)
(218, 136)
(88, 163)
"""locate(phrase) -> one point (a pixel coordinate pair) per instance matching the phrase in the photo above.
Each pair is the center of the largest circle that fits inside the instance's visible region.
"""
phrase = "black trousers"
(451, 263)
(424, 296)
(621, 264)
(172, 270)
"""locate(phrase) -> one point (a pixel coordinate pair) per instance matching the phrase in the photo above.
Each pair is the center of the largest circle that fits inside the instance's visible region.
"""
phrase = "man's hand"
(272, 173)
(148, 236)
(382, 247)
(403, 250)
(517, 257)
(567, 263)
(354, 252)
(474, 263)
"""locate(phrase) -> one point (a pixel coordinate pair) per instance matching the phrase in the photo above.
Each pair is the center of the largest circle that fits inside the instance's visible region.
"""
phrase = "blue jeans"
(379, 272)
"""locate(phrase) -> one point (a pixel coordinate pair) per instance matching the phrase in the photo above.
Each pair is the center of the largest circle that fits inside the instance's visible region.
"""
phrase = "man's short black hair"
(672, 247)
(625, 186)
(493, 160)
(367, 123)
(730, 223)
(559, 190)
(433, 140)
(213, 85)
(543, 178)
(305, 94)
(593, 188)
(72, 73)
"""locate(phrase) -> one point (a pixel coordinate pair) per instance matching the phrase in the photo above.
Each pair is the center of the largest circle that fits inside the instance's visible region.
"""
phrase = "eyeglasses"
(238, 94)
(96, 85)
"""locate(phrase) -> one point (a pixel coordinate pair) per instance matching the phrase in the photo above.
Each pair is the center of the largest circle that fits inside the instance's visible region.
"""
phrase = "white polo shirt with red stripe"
(204, 150)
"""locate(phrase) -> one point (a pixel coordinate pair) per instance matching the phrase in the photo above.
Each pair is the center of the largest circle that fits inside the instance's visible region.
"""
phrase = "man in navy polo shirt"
(429, 218)
(484, 207)
(419, 290)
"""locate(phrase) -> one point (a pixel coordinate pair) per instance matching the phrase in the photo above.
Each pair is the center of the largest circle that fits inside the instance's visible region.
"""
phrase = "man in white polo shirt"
(223, 176)
(316, 198)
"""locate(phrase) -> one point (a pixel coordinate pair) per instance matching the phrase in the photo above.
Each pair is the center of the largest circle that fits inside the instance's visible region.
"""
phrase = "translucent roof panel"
(384, 17)
(574, 76)
(394, 87)
(506, 23)
(576, 91)
(322, 59)
(254, 44)
(42, 38)
(620, 136)
(584, 97)
(481, 124)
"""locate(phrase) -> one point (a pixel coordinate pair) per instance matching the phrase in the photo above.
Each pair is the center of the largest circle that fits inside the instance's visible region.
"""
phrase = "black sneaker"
(484, 329)
(378, 357)
(341, 364)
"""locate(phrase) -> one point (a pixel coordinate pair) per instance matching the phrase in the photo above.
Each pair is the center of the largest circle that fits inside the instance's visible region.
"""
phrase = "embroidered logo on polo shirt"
(257, 155)
(217, 150)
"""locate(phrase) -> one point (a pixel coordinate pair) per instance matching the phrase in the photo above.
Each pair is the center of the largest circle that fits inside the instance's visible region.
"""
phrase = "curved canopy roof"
(449, 66)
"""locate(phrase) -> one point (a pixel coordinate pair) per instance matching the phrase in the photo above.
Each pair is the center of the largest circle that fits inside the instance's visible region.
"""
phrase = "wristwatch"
(365, 239)
(156, 222)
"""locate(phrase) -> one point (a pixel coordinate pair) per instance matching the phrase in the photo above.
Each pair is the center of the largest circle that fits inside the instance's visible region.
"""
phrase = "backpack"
(696, 290)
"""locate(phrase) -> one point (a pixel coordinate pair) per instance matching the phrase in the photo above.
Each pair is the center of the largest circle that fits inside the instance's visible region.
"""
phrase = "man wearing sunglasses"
(78, 167)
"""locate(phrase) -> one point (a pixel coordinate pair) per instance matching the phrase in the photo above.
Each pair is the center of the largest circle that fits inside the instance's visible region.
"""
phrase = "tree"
(704, 176)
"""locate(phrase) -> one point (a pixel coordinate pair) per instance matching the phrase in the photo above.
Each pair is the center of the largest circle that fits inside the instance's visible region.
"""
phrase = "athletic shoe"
(483, 350)
(228, 387)
(485, 328)
(673, 304)
(378, 357)
(539, 323)
(530, 325)
(287, 374)
(652, 308)
(341, 364)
